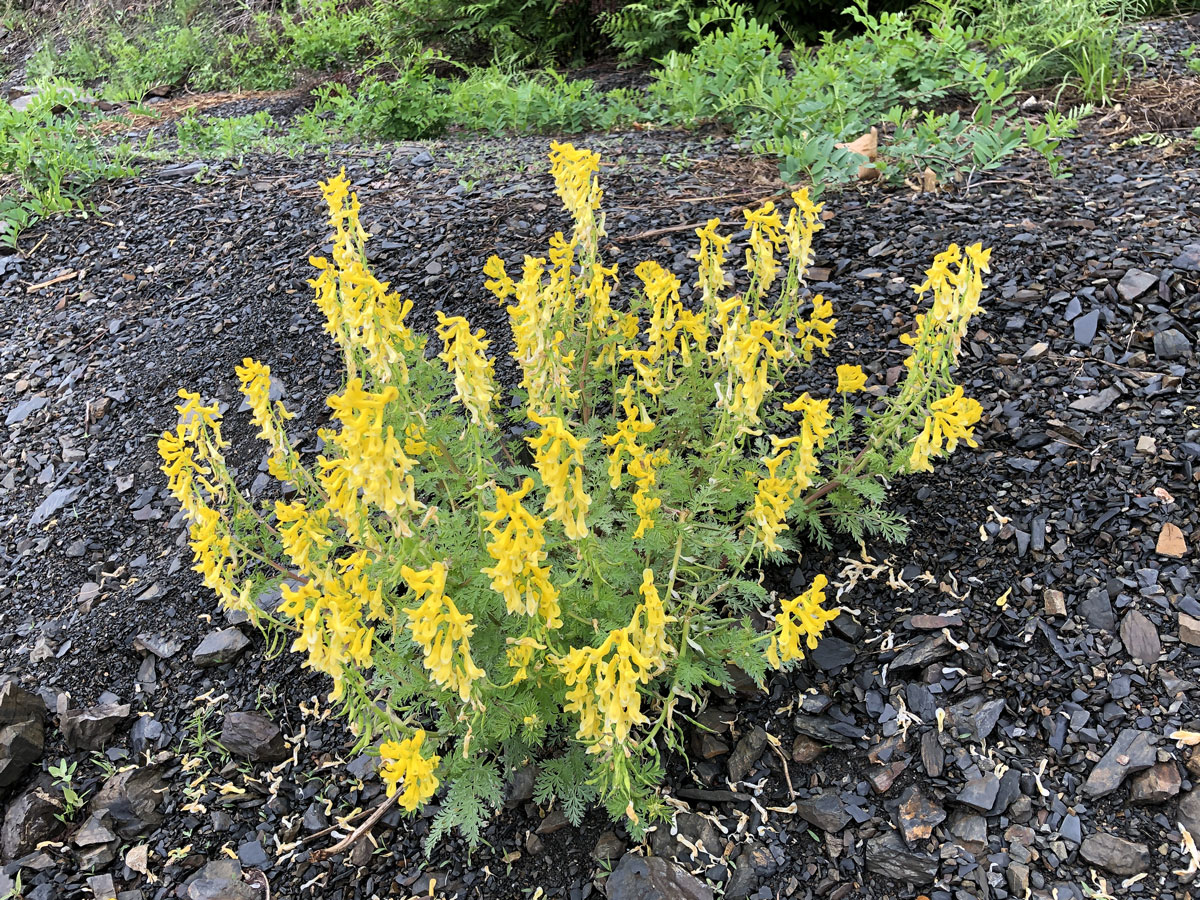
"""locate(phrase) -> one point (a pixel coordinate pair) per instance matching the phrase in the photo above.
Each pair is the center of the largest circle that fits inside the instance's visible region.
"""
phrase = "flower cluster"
(519, 551)
(603, 681)
(558, 456)
(402, 763)
(441, 631)
(801, 617)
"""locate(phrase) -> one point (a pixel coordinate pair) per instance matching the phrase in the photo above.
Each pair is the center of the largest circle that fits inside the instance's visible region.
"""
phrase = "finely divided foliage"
(481, 600)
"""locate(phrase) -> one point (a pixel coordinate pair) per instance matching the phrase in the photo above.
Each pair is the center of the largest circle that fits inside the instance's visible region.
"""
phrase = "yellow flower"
(816, 332)
(850, 379)
(474, 374)
(710, 256)
(951, 419)
(802, 616)
(555, 449)
(575, 181)
(403, 762)
(371, 460)
(765, 239)
(772, 501)
(603, 681)
(441, 630)
(303, 532)
(518, 549)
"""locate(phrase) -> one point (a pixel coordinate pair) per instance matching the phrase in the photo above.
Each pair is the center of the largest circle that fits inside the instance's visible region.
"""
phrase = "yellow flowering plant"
(556, 571)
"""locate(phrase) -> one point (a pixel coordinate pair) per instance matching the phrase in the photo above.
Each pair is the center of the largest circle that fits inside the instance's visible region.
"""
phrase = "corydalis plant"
(481, 600)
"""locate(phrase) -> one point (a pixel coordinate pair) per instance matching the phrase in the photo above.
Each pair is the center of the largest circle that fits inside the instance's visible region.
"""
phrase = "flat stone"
(887, 856)
(805, 749)
(1189, 811)
(1157, 784)
(980, 793)
(1054, 603)
(1131, 752)
(608, 847)
(1189, 630)
(1140, 638)
(219, 647)
(24, 410)
(1017, 876)
(832, 654)
(824, 810)
(1085, 328)
(1097, 610)
(1036, 352)
(161, 645)
(975, 717)
(969, 830)
(131, 800)
(746, 753)
(1189, 259)
(1171, 344)
(252, 855)
(653, 878)
(253, 736)
(221, 879)
(921, 654)
(1115, 854)
(52, 504)
(1097, 403)
(102, 887)
(917, 815)
(1171, 542)
(93, 832)
(1134, 283)
(31, 817)
(92, 728)
(882, 777)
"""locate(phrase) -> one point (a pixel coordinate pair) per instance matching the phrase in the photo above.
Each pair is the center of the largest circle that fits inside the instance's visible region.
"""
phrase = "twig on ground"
(352, 838)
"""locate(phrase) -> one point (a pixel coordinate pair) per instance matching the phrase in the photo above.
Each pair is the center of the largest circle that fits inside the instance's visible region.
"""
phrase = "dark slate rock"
(1115, 854)
(1189, 259)
(131, 800)
(1131, 752)
(980, 793)
(824, 810)
(253, 855)
(1189, 811)
(22, 735)
(1158, 784)
(653, 878)
(31, 817)
(917, 815)
(832, 654)
(92, 728)
(922, 653)
(1140, 638)
(1097, 610)
(253, 736)
(887, 856)
(219, 647)
(1085, 328)
(746, 753)
(221, 879)
(1171, 344)
(1134, 283)
(976, 716)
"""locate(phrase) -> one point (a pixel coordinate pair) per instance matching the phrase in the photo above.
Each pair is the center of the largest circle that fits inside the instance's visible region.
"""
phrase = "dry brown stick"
(786, 774)
(353, 837)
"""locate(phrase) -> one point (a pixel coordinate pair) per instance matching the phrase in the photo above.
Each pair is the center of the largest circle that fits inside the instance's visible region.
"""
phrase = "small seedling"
(64, 774)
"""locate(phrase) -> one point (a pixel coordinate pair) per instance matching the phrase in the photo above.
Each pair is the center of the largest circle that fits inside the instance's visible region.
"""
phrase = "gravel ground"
(1050, 768)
